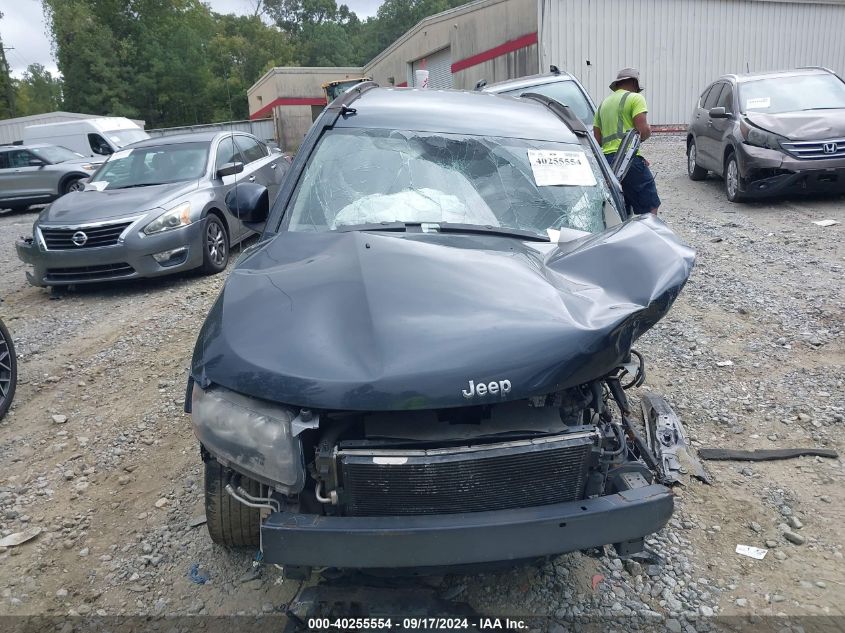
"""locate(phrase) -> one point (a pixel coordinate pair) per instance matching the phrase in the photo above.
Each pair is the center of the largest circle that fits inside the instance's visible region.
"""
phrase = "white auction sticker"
(758, 102)
(553, 167)
(121, 154)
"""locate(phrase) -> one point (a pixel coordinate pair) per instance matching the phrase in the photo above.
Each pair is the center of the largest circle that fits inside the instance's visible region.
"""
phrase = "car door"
(264, 167)
(25, 178)
(228, 152)
(719, 129)
(706, 142)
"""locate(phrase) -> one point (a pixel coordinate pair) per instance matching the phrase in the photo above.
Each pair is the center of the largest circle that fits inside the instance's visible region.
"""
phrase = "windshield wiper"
(444, 227)
(449, 227)
(140, 184)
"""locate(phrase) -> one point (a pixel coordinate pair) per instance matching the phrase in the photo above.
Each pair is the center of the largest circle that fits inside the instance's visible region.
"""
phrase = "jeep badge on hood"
(502, 387)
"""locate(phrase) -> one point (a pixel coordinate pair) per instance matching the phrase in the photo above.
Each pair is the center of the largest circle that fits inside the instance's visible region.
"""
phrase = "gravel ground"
(98, 454)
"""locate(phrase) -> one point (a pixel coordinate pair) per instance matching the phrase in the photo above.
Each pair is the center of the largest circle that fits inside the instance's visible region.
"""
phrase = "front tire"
(693, 170)
(229, 522)
(215, 254)
(71, 185)
(732, 180)
(8, 370)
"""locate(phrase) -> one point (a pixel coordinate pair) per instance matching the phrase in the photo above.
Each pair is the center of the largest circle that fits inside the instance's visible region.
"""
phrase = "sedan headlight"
(760, 138)
(173, 219)
(91, 166)
(253, 436)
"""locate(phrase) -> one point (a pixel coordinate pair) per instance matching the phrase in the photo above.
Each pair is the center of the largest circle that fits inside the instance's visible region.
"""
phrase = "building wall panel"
(681, 46)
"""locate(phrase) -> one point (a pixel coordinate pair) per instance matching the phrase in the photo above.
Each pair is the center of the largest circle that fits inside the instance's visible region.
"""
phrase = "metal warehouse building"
(678, 45)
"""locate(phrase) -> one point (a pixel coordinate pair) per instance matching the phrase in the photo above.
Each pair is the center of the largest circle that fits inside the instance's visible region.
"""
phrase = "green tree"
(7, 89)
(38, 91)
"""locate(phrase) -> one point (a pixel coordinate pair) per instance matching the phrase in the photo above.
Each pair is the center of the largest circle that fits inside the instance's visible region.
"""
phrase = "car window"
(566, 92)
(703, 98)
(99, 145)
(409, 176)
(726, 99)
(227, 152)
(55, 153)
(792, 94)
(713, 96)
(250, 149)
(154, 165)
(4, 160)
(19, 158)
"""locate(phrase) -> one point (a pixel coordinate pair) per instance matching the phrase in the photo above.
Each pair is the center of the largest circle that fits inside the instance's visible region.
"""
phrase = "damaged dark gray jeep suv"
(422, 362)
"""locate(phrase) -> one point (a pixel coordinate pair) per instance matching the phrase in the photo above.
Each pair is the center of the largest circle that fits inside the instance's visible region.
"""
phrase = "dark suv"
(421, 361)
(771, 133)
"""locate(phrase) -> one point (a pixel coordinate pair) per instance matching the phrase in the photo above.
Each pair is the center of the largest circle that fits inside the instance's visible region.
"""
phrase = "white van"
(90, 137)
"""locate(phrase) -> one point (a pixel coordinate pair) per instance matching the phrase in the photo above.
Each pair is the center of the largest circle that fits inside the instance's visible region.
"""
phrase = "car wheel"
(73, 184)
(230, 522)
(695, 172)
(215, 246)
(8, 370)
(732, 179)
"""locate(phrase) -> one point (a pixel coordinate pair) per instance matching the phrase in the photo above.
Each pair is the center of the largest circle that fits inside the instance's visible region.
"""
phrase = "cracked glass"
(365, 176)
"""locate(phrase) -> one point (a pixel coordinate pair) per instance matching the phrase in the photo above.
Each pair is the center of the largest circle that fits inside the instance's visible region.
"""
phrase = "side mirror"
(250, 203)
(36, 162)
(718, 113)
(230, 169)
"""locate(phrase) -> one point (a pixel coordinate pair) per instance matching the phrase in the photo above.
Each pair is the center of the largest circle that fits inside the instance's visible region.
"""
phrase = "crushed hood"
(811, 125)
(91, 206)
(386, 321)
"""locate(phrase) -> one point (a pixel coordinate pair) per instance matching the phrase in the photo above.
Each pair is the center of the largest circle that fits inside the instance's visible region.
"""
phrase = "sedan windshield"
(565, 92)
(791, 94)
(54, 153)
(157, 165)
(361, 177)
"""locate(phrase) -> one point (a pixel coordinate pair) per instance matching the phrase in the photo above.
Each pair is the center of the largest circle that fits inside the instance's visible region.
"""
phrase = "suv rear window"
(566, 92)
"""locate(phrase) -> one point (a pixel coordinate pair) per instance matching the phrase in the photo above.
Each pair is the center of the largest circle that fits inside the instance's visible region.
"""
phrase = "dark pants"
(638, 186)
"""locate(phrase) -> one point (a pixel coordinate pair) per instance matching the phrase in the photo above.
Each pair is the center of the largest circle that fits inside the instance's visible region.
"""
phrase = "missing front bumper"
(623, 519)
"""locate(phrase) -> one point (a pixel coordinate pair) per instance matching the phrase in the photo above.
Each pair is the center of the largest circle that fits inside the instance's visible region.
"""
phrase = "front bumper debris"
(668, 443)
(622, 519)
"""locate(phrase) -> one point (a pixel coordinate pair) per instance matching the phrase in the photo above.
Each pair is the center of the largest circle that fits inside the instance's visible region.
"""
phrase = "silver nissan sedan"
(154, 208)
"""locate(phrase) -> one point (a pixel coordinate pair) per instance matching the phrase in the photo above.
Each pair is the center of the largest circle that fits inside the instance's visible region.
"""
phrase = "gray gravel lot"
(115, 484)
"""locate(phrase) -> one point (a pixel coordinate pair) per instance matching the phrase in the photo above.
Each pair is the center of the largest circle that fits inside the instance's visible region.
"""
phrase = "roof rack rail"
(832, 72)
(563, 112)
(342, 103)
(554, 69)
(480, 84)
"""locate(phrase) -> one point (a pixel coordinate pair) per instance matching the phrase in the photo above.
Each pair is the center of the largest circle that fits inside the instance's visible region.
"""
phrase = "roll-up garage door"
(439, 67)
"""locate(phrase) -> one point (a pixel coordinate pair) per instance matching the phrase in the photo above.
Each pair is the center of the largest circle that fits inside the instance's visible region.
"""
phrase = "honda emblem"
(829, 148)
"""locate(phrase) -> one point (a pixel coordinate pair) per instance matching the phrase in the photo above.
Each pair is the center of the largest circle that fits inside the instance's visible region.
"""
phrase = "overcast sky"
(23, 28)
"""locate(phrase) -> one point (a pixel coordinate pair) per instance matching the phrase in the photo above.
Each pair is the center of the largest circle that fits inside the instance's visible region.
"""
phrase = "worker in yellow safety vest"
(623, 110)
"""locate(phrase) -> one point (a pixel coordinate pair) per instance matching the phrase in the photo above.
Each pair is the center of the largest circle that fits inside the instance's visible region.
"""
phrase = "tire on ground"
(693, 170)
(230, 522)
(209, 266)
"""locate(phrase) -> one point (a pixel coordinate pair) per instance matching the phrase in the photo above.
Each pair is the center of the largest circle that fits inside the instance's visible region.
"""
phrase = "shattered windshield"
(366, 176)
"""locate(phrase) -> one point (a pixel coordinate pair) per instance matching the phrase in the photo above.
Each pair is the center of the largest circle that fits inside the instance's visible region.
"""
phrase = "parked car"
(154, 208)
(8, 370)
(98, 136)
(37, 174)
(560, 86)
(409, 369)
(771, 133)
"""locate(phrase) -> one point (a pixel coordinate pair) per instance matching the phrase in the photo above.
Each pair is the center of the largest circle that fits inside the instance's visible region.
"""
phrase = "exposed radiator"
(517, 474)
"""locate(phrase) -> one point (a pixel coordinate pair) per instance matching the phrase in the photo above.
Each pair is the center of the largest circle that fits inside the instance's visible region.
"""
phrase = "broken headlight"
(759, 138)
(252, 436)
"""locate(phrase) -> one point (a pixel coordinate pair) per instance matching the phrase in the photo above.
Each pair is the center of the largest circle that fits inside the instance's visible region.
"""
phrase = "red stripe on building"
(267, 110)
(501, 49)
